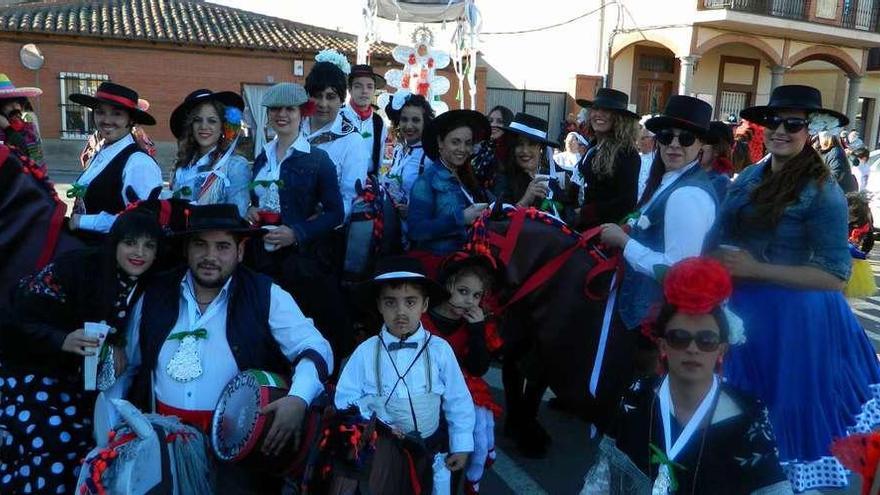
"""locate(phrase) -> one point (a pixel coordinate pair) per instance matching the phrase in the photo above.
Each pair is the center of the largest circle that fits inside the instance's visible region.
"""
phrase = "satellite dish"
(31, 57)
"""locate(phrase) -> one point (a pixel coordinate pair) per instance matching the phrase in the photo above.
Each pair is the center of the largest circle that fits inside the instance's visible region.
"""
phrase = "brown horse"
(32, 230)
(556, 284)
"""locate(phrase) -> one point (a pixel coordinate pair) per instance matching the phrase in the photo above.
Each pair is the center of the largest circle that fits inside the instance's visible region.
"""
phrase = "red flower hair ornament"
(696, 286)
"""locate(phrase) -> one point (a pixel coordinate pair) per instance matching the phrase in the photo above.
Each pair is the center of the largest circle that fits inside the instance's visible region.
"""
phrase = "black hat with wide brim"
(533, 128)
(584, 103)
(398, 270)
(177, 122)
(363, 70)
(118, 96)
(449, 121)
(719, 131)
(221, 217)
(613, 101)
(792, 97)
(685, 113)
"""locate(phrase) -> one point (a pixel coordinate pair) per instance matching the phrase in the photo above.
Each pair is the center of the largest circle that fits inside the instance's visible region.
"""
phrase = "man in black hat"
(197, 328)
(362, 85)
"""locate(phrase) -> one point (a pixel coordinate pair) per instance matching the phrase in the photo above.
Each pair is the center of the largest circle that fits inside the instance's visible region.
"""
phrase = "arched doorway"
(649, 73)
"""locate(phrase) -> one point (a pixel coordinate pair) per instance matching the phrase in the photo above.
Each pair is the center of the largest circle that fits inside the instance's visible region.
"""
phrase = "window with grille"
(76, 121)
(656, 63)
(731, 103)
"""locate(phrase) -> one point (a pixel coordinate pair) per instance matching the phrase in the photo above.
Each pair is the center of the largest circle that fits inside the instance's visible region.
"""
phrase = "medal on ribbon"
(186, 364)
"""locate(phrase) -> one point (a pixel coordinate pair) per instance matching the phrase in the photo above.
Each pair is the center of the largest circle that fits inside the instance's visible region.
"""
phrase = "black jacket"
(608, 199)
(79, 286)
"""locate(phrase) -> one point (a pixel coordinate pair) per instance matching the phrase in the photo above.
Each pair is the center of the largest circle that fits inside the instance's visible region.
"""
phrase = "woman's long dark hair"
(778, 190)
(188, 148)
(417, 101)
(519, 178)
(466, 171)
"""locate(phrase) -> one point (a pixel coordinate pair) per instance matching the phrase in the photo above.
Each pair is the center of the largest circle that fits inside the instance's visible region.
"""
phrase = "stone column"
(686, 76)
(852, 98)
(777, 73)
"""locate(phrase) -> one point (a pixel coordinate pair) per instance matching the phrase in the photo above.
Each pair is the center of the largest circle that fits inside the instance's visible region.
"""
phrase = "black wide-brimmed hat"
(217, 217)
(584, 103)
(613, 100)
(683, 112)
(363, 70)
(792, 97)
(531, 127)
(449, 121)
(197, 97)
(719, 131)
(117, 96)
(398, 270)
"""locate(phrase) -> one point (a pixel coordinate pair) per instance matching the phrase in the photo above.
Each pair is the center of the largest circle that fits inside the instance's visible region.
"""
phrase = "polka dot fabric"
(49, 428)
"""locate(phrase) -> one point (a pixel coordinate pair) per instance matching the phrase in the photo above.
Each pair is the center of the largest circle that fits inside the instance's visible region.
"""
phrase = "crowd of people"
(728, 359)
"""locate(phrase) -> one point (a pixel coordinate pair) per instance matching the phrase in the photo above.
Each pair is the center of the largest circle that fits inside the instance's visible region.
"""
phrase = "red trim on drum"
(259, 425)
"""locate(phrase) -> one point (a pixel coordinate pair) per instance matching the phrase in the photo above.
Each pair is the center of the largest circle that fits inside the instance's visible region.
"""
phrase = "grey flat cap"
(285, 94)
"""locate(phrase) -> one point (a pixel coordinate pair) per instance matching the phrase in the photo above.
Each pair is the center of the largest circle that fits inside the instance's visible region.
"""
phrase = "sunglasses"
(678, 339)
(791, 124)
(685, 138)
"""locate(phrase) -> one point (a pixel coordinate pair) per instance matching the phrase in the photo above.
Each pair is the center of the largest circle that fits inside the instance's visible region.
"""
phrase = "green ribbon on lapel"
(76, 191)
(199, 333)
(267, 183)
(183, 192)
(632, 216)
(659, 457)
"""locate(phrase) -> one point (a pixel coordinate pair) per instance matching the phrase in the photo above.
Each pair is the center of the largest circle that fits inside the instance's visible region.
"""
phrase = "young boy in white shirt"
(411, 380)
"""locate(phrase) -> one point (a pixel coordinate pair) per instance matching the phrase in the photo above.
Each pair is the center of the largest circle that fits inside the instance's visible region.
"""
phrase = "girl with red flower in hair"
(473, 335)
(715, 159)
(686, 431)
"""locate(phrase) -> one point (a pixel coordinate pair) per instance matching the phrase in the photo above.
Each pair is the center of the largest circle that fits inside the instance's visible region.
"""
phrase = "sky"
(546, 60)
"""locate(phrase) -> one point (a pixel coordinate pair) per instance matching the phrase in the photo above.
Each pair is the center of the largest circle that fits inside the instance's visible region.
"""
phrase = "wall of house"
(163, 75)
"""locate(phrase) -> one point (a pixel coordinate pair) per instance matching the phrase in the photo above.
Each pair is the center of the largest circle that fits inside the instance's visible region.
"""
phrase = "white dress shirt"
(233, 170)
(365, 129)
(291, 329)
(347, 153)
(644, 172)
(404, 170)
(689, 214)
(272, 168)
(358, 383)
(140, 172)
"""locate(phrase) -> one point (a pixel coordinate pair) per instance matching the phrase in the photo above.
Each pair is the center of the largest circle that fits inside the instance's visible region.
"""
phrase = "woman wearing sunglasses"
(686, 431)
(784, 229)
(675, 214)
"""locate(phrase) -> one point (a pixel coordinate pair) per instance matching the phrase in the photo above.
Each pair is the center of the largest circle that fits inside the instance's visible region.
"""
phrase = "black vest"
(105, 191)
(247, 326)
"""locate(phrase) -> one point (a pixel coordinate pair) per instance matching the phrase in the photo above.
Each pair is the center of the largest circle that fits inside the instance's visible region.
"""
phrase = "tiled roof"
(190, 22)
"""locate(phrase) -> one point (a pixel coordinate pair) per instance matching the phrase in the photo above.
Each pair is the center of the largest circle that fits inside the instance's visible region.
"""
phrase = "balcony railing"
(856, 14)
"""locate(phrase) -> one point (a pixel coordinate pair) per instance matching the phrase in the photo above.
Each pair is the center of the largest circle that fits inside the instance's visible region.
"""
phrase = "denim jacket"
(812, 230)
(309, 181)
(436, 211)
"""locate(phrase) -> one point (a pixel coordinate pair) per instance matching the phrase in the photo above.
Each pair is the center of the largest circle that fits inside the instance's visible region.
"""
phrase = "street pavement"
(571, 452)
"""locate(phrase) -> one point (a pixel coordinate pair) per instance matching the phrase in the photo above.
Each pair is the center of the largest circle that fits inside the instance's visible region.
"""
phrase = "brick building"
(164, 49)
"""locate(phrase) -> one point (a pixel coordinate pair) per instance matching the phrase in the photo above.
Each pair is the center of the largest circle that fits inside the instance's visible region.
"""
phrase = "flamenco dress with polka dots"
(44, 409)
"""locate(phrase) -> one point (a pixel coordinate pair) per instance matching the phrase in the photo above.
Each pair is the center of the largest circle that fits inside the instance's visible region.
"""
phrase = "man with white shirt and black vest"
(362, 85)
(196, 329)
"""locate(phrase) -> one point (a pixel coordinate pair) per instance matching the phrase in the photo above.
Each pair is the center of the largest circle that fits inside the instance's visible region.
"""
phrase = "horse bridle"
(484, 238)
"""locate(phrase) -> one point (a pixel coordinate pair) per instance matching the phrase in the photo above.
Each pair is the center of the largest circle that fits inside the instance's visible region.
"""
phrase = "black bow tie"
(396, 346)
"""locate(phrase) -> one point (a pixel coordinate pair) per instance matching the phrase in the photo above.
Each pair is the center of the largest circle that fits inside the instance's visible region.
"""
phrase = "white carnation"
(335, 58)
(823, 122)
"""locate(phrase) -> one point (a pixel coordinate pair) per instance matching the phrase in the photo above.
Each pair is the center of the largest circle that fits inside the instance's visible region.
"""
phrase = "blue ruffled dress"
(806, 355)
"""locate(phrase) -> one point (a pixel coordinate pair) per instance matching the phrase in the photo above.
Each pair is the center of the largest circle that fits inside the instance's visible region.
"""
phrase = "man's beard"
(210, 284)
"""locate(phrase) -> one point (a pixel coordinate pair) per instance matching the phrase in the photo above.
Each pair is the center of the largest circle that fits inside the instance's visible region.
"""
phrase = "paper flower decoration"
(335, 58)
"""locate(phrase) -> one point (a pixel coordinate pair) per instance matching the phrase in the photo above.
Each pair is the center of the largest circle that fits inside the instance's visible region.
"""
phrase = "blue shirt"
(436, 211)
(812, 230)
